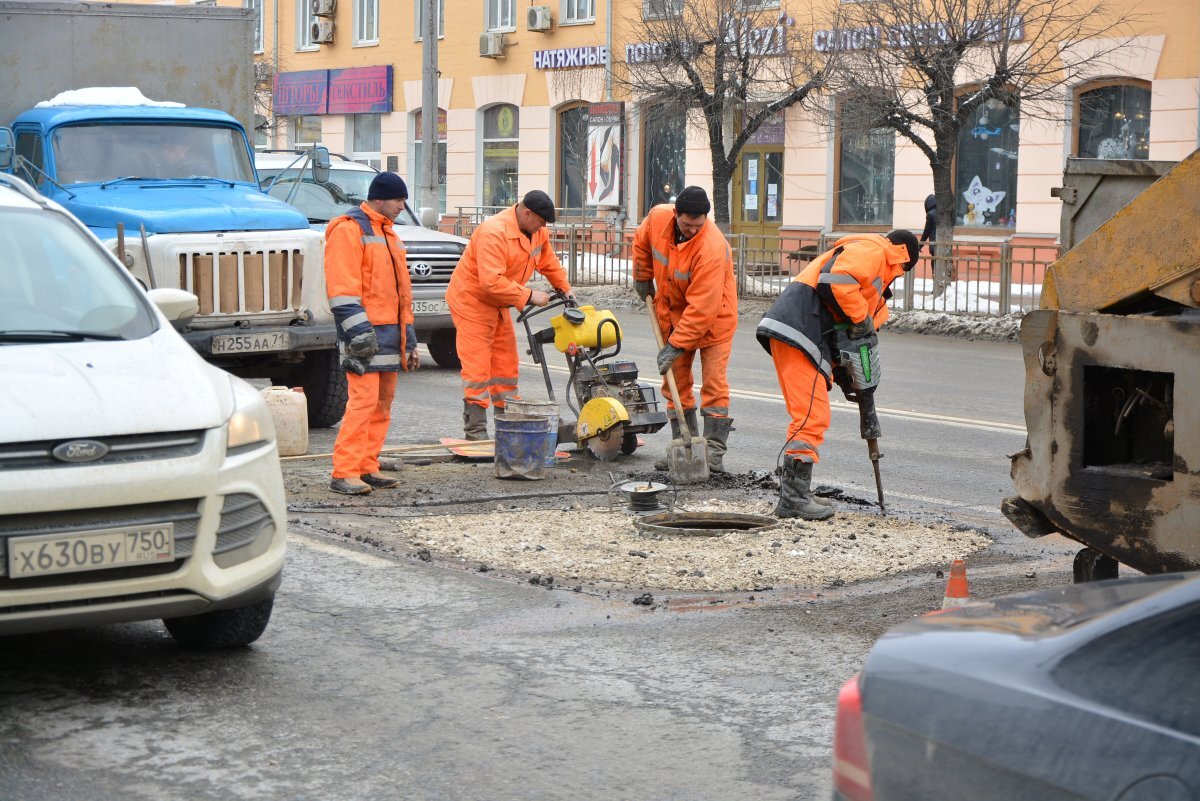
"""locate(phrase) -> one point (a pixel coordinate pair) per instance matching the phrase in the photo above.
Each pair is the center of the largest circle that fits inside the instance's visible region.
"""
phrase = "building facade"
(527, 103)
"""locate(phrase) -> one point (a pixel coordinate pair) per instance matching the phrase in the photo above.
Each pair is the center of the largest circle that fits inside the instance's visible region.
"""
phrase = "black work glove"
(644, 289)
(352, 364)
(861, 330)
(667, 357)
(364, 346)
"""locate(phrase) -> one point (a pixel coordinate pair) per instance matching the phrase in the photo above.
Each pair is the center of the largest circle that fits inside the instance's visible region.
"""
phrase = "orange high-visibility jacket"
(366, 278)
(866, 266)
(498, 261)
(695, 293)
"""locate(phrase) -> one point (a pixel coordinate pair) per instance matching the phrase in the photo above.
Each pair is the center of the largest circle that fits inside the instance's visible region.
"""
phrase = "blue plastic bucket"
(539, 409)
(522, 442)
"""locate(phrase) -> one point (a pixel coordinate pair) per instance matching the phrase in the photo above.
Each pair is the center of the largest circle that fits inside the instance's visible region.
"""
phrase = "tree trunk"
(944, 271)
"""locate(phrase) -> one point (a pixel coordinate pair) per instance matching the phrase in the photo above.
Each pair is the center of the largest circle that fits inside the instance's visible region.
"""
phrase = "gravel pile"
(581, 546)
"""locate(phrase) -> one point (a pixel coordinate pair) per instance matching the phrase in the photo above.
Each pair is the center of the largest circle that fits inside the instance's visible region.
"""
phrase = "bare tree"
(929, 68)
(713, 61)
(265, 121)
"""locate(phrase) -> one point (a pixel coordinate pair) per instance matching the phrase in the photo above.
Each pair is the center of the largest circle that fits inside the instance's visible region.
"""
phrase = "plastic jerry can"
(289, 411)
(598, 329)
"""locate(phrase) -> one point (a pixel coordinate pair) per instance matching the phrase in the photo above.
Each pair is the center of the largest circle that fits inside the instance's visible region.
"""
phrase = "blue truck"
(172, 190)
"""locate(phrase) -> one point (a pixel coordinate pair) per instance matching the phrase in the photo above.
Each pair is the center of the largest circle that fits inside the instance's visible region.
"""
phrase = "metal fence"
(987, 279)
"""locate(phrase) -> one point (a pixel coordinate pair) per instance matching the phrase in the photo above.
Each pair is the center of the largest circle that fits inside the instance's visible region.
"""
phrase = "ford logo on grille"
(422, 269)
(80, 450)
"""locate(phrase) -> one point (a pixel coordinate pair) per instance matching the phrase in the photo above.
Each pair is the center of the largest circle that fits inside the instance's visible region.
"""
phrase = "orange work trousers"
(365, 424)
(714, 384)
(807, 397)
(487, 348)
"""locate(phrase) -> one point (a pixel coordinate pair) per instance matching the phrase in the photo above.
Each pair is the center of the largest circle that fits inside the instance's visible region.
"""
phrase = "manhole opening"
(708, 524)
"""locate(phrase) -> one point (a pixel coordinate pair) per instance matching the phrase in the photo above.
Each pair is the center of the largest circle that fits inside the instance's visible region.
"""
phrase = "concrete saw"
(601, 427)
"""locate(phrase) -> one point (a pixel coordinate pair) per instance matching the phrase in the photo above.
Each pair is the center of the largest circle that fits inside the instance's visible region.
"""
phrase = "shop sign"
(925, 33)
(298, 93)
(770, 40)
(570, 57)
(605, 147)
(361, 90)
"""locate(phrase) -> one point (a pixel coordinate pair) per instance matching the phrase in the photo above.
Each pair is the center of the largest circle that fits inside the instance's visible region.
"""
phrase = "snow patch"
(106, 96)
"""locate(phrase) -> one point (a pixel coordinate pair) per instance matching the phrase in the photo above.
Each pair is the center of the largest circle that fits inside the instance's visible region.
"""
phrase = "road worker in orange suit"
(846, 286)
(490, 279)
(366, 277)
(681, 259)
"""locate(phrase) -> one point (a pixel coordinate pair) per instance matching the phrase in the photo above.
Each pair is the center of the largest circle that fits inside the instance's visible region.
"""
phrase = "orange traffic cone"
(957, 593)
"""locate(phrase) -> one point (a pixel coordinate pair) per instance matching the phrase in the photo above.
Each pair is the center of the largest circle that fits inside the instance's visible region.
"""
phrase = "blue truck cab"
(173, 192)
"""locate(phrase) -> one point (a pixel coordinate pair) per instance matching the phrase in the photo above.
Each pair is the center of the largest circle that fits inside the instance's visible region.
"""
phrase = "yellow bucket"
(585, 335)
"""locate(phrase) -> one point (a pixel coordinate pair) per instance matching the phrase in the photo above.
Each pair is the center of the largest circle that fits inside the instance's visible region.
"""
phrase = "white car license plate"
(90, 550)
(251, 343)
(430, 307)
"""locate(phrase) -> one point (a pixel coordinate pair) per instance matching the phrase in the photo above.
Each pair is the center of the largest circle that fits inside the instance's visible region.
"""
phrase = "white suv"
(136, 480)
(431, 254)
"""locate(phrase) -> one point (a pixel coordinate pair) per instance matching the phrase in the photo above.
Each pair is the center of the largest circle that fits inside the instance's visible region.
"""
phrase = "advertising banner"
(605, 151)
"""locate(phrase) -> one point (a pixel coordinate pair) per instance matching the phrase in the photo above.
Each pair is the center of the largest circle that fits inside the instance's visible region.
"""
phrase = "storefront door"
(758, 192)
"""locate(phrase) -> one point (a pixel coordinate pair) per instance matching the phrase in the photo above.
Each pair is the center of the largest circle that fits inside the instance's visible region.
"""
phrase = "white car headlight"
(251, 420)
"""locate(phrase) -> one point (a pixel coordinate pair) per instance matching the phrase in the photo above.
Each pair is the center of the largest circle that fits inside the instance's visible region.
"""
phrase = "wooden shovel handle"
(658, 337)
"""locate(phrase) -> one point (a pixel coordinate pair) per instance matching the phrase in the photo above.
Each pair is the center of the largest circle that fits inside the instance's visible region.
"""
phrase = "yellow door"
(758, 194)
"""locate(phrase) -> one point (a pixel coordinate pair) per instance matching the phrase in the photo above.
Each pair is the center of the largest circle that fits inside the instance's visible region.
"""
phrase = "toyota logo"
(80, 450)
(422, 269)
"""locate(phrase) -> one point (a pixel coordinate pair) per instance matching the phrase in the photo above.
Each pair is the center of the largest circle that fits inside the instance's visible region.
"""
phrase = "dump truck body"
(1112, 361)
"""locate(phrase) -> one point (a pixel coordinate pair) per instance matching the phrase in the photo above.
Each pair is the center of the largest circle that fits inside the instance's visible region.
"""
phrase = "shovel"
(687, 457)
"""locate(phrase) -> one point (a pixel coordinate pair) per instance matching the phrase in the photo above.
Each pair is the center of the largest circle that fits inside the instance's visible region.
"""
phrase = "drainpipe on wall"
(608, 44)
(274, 68)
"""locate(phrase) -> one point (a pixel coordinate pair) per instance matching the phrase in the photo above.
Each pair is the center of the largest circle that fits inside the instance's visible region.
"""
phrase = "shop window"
(579, 10)
(366, 21)
(572, 155)
(305, 130)
(365, 138)
(418, 165)
(1112, 121)
(500, 15)
(985, 175)
(663, 156)
(500, 146)
(441, 20)
(304, 20)
(866, 177)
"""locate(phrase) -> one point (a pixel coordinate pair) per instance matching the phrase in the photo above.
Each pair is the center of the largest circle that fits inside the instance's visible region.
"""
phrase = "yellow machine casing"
(585, 334)
(599, 415)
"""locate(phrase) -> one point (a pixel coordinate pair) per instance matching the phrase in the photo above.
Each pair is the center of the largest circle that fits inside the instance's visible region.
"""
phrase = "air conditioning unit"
(491, 45)
(538, 18)
(321, 30)
(323, 8)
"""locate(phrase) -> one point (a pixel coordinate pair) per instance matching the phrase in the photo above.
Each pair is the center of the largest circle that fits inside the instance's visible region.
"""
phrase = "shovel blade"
(688, 461)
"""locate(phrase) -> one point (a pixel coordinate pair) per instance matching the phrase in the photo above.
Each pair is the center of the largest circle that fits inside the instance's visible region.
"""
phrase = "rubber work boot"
(474, 421)
(349, 486)
(663, 463)
(795, 493)
(379, 480)
(716, 432)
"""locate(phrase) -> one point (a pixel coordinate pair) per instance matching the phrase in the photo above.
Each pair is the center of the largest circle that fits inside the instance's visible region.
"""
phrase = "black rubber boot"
(474, 421)
(716, 432)
(795, 493)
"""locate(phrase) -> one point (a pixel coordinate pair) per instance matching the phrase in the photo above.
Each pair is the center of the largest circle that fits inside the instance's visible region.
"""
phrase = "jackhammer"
(857, 373)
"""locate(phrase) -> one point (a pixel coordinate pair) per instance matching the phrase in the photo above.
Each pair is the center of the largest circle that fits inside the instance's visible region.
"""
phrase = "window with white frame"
(304, 21)
(501, 15)
(366, 21)
(257, 5)
(501, 145)
(657, 9)
(579, 10)
(418, 163)
(441, 22)
(365, 138)
(304, 130)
